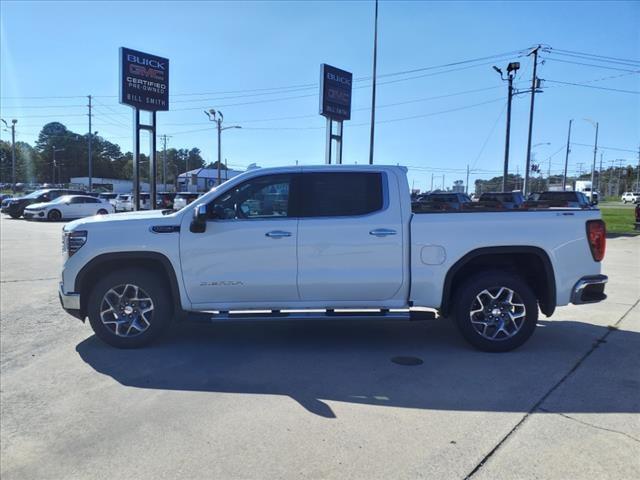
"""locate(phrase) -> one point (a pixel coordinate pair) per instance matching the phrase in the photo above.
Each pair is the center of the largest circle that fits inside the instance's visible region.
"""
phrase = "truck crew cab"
(339, 239)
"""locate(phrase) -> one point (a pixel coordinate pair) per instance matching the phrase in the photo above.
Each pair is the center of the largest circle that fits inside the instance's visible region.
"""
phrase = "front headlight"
(73, 241)
(38, 209)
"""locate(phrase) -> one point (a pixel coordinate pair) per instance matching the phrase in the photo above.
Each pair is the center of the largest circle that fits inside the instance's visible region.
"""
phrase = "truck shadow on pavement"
(350, 361)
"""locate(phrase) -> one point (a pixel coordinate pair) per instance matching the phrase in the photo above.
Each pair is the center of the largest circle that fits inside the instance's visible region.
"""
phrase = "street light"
(217, 117)
(13, 152)
(512, 68)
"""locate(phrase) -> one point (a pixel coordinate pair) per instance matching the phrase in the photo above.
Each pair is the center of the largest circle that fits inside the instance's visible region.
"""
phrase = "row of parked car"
(499, 201)
(60, 203)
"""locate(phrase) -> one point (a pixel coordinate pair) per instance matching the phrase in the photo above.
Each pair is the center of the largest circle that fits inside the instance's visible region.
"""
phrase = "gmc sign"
(144, 80)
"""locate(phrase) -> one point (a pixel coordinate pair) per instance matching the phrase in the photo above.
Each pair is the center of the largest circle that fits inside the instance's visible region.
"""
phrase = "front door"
(247, 255)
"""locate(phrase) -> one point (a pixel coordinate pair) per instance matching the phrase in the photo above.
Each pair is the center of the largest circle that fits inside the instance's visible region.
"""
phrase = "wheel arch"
(109, 262)
(532, 263)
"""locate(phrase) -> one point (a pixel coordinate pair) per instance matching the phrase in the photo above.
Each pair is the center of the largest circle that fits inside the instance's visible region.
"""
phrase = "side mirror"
(199, 222)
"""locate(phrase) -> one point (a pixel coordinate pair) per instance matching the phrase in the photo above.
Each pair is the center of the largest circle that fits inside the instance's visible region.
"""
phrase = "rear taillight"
(597, 237)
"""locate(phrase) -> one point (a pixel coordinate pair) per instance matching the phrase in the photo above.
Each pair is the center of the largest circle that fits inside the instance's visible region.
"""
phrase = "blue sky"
(70, 49)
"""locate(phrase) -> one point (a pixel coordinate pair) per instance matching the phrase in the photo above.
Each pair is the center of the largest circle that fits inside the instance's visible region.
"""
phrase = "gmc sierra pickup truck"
(328, 241)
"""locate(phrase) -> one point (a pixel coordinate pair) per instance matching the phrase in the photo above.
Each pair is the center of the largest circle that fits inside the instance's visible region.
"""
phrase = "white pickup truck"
(328, 241)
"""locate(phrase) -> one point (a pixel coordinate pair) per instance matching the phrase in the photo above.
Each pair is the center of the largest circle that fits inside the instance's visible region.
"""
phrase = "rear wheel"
(129, 308)
(496, 311)
(54, 215)
(15, 216)
(102, 211)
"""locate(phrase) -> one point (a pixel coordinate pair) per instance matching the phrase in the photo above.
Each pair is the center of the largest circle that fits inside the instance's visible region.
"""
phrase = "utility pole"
(164, 160)
(216, 116)
(13, 152)
(580, 170)
(90, 159)
(431, 183)
(637, 173)
(373, 92)
(534, 84)
(619, 175)
(54, 164)
(443, 189)
(593, 167)
(600, 173)
(466, 184)
(566, 157)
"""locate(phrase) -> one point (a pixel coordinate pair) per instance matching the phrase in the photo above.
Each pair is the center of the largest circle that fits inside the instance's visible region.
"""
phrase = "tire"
(510, 323)
(102, 211)
(130, 329)
(54, 216)
(15, 216)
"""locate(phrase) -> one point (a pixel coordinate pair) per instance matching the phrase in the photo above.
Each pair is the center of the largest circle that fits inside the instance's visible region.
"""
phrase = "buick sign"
(144, 80)
(335, 93)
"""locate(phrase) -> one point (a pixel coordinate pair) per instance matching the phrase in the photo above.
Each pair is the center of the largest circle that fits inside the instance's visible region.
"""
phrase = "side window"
(262, 197)
(77, 200)
(341, 194)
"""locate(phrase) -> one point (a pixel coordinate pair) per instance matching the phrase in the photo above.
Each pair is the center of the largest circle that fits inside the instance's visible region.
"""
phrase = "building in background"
(203, 179)
(114, 185)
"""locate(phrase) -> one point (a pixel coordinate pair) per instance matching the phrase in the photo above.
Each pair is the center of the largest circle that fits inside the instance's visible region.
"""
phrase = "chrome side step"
(297, 315)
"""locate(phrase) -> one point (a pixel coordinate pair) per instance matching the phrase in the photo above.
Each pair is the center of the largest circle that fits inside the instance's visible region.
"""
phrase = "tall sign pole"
(335, 105)
(144, 85)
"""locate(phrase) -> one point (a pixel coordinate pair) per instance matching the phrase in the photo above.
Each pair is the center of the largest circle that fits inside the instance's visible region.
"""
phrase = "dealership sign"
(144, 80)
(335, 93)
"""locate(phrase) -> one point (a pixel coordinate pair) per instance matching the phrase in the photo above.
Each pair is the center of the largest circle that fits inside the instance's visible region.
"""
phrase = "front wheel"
(102, 211)
(54, 216)
(495, 311)
(129, 308)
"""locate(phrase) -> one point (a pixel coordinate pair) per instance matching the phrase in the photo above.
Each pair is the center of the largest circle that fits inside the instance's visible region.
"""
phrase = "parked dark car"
(561, 199)
(15, 206)
(508, 200)
(440, 201)
(637, 216)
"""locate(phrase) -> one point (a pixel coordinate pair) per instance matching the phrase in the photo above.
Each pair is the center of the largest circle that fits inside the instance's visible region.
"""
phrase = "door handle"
(382, 232)
(277, 234)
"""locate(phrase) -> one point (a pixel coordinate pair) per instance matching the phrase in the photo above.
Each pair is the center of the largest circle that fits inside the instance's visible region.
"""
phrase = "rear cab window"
(340, 194)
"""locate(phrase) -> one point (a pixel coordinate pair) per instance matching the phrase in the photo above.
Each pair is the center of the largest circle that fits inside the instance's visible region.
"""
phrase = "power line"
(271, 90)
(593, 59)
(411, 117)
(594, 86)
(605, 148)
(595, 55)
(588, 64)
(486, 140)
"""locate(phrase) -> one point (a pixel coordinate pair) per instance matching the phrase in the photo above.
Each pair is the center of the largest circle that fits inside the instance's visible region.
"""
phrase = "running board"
(274, 315)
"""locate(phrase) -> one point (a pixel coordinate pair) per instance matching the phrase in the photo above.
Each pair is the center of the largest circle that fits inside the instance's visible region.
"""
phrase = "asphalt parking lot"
(313, 400)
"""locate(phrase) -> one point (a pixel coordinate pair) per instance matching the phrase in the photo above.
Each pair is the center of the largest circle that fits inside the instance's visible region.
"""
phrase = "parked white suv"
(298, 240)
(632, 197)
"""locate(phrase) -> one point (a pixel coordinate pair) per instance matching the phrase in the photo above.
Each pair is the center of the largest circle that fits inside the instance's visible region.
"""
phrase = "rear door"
(350, 239)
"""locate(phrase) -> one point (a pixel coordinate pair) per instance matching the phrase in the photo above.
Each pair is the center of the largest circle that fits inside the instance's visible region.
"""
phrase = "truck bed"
(439, 240)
